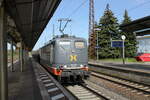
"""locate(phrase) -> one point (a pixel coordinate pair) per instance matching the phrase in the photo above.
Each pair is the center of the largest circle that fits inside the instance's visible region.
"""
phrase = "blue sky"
(79, 24)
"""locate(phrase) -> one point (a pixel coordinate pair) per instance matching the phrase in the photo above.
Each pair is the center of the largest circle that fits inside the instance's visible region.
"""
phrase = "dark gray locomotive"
(66, 57)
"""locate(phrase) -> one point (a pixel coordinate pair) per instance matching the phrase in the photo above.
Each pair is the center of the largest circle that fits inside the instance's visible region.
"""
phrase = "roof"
(139, 26)
(28, 18)
(143, 37)
(63, 37)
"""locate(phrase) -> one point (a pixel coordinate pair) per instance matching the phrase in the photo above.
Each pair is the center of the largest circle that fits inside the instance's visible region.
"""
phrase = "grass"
(118, 60)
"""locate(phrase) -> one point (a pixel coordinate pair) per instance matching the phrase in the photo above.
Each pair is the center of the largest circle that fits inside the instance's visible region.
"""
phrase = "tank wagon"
(66, 57)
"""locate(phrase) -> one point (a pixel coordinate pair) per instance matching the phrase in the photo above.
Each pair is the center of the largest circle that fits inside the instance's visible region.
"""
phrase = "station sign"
(97, 47)
(116, 43)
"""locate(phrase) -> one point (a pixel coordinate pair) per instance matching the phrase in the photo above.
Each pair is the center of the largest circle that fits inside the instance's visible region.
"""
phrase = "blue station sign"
(116, 43)
(97, 47)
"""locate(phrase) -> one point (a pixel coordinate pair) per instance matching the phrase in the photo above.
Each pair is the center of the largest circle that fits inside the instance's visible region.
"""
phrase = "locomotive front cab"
(71, 58)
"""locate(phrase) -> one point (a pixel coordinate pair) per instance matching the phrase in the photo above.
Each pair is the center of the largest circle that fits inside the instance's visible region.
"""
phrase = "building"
(143, 44)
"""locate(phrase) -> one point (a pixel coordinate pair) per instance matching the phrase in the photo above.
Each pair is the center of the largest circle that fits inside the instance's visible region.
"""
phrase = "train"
(66, 57)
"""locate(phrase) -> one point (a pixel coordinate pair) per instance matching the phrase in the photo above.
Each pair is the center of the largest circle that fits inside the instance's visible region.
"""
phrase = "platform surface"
(23, 85)
(137, 66)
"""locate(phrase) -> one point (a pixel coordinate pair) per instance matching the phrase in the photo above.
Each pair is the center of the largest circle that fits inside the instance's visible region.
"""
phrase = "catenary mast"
(92, 35)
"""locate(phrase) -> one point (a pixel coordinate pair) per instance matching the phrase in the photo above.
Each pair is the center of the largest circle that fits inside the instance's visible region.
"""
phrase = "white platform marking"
(50, 84)
(52, 89)
(46, 81)
(44, 78)
(57, 96)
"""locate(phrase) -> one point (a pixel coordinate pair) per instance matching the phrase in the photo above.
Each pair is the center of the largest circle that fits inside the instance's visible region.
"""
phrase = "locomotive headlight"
(61, 67)
(65, 66)
(81, 65)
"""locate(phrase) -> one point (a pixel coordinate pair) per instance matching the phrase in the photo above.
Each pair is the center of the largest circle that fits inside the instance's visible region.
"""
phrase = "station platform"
(23, 85)
(34, 83)
(143, 66)
(138, 66)
(136, 72)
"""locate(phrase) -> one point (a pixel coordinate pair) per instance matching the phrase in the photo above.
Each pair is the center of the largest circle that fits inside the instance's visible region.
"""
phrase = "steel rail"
(87, 89)
(98, 94)
(121, 83)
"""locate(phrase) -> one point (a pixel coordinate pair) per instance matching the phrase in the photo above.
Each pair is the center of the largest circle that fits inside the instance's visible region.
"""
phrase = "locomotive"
(66, 58)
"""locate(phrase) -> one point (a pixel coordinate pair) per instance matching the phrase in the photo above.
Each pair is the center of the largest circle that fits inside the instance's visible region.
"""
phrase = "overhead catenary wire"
(137, 6)
(85, 1)
(62, 6)
(77, 9)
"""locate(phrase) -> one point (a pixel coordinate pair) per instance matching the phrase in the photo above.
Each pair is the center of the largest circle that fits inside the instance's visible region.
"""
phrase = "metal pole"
(97, 46)
(53, 31)
(3, 56)
(123, 52)
(12, 51)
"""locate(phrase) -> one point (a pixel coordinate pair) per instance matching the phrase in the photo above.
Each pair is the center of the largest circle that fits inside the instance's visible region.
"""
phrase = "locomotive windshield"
(79, 44)
(65, 44)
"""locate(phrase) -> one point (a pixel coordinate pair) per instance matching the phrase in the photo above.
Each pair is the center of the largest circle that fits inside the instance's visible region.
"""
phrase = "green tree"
(130, 43)
(109, 29)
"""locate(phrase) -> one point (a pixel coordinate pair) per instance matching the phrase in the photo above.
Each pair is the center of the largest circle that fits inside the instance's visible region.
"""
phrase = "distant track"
(144, 89)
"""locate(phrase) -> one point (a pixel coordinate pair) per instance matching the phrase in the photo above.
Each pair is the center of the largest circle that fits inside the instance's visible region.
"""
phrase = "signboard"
(97, 47)
(116, 43)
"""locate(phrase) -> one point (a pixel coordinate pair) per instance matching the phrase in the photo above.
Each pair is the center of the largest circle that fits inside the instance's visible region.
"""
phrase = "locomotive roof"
(63, 38)
(69, 37)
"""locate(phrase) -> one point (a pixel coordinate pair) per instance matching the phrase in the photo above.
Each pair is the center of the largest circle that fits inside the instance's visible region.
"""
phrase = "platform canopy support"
(21, 56)
(12, 54)
(3, 55)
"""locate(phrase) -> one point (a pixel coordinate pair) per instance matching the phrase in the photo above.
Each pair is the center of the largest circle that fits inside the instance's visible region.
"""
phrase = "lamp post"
(97, 45)
(123, 37)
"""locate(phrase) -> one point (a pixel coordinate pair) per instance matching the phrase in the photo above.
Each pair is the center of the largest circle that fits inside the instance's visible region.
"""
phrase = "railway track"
(130, 85)
(84, 92)
(79, 92)
(51, 89)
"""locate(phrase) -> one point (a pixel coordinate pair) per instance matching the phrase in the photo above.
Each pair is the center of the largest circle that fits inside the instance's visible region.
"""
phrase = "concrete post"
(3, 56)
(24, 57)
(21, 57)
(12, 51)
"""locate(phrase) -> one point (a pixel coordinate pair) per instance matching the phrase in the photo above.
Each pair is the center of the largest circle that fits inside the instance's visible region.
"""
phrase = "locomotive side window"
(79, 45)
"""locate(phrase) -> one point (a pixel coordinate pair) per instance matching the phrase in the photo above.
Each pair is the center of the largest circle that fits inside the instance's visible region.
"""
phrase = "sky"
(80, 18)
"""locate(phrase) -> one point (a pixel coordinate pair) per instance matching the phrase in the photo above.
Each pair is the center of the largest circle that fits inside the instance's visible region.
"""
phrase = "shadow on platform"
(23, 85)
